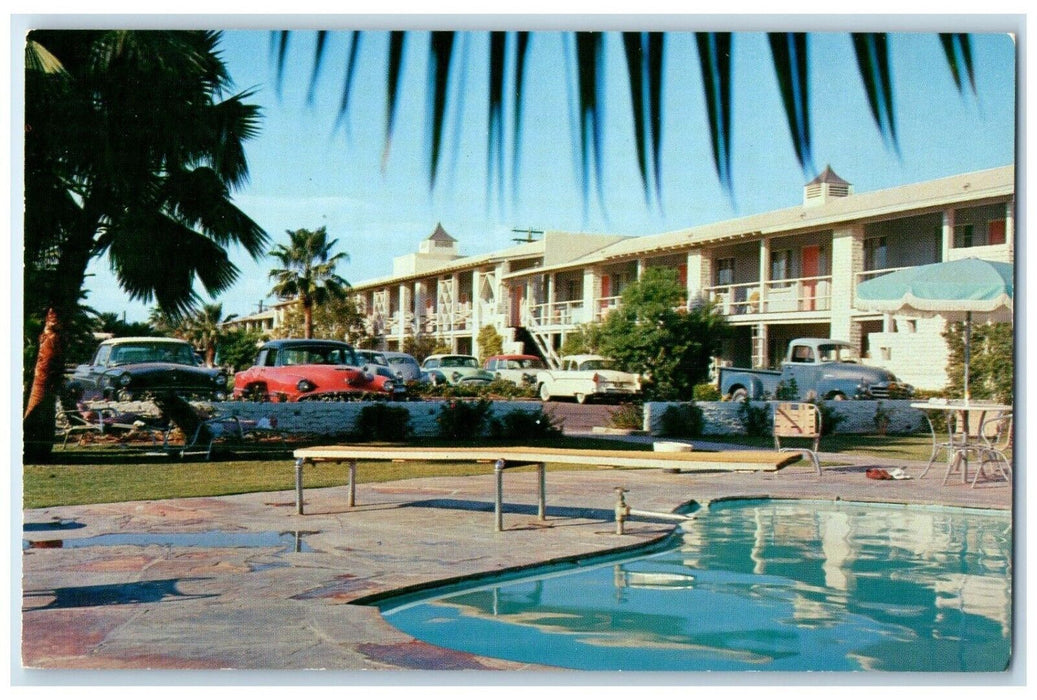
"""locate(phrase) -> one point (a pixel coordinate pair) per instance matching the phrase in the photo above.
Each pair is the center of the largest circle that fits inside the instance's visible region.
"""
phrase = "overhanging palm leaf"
(495, 127)
(789, 53)
(396, 45)
(958, 50)
(354, 49)
(715, 58)
(644, 55)
(873, 62)
(441, 49)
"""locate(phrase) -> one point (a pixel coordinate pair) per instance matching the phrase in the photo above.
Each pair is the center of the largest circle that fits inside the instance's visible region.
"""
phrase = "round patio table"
(961, 438)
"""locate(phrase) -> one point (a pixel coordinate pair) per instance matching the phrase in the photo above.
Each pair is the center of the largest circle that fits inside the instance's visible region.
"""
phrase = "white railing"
(561, 313)
(870, 274)
(773, 296)
(604, 305)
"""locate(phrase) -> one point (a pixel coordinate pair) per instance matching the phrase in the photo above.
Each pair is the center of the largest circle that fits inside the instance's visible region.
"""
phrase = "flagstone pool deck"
(168, 606)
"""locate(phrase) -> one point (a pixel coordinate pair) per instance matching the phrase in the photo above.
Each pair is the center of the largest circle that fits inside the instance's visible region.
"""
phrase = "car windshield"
(837, 353)
(595, 364)
(318, 355)
(401, 361)
(460, 362)
(135, 353)
(525, 363)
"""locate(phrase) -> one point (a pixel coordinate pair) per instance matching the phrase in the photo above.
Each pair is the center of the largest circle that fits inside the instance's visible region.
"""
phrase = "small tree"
(420, 346)
(585, 339)
(991, 361)
(490, 342)
(238, 347)
(653, 333)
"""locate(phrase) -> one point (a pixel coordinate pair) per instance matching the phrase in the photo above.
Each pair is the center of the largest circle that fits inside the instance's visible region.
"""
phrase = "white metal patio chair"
(798, 420)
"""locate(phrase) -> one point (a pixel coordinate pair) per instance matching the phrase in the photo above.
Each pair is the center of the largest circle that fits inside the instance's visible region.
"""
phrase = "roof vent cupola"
(825, 187)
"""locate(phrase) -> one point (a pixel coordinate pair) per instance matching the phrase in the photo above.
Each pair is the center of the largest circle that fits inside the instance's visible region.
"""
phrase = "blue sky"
(307, 172)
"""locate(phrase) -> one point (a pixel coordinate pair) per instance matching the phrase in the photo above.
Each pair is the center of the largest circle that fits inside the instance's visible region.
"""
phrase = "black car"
(127, 369)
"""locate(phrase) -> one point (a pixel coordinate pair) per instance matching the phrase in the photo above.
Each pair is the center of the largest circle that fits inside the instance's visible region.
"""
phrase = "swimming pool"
(756, 585)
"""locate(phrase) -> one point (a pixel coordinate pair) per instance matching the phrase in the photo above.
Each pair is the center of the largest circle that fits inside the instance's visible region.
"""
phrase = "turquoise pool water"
(757, 585)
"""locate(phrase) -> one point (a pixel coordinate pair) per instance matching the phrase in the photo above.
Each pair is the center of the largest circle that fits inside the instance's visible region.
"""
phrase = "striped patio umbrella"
(951, 288)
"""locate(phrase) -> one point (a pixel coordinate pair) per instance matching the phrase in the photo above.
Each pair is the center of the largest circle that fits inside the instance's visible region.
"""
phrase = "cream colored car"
(586, 377)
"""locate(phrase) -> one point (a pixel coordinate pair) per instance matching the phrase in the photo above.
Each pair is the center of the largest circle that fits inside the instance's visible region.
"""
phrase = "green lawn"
(111, 475)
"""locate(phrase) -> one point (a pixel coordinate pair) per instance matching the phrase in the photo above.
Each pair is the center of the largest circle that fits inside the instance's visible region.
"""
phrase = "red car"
(308, 370)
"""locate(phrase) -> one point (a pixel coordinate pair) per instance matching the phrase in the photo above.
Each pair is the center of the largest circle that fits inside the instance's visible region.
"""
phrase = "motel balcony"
(752, 301)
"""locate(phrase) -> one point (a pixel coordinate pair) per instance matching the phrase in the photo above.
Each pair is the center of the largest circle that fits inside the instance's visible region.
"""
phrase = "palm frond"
(633, 46)
(354, 50)
(397, 40)
(958, 50)
(521, 55)
(789, 53)
(873, 62)
(495, 127)
(279, 40)
(38, 58)
(318, 56)
(715, 58)
(589, 49)
(441, 49)
(656, 47)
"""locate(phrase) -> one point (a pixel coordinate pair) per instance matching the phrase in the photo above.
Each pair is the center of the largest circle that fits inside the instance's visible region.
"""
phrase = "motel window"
(781, 265)
(963, 236)
(725, 271)
(875, 257)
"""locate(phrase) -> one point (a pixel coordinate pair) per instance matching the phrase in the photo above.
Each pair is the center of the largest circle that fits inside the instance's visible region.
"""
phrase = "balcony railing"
(560, 313)
(773, 296)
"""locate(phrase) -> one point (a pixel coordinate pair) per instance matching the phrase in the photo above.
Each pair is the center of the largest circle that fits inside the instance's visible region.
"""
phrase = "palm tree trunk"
(307, 315)
(38, 419)
(49, 373)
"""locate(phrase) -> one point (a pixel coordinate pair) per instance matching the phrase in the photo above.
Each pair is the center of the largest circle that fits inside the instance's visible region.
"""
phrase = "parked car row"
(324, 370)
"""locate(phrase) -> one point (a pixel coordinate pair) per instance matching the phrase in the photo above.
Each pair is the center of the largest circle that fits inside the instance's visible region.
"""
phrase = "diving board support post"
(298, 484)
(352, 483)
(498, 517)
(499, 465)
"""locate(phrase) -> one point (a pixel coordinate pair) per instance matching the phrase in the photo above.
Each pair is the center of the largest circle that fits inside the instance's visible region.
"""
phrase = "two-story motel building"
(776, 276)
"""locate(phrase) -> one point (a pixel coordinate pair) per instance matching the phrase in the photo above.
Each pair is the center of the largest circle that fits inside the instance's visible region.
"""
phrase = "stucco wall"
(721, 417)
(329, 418)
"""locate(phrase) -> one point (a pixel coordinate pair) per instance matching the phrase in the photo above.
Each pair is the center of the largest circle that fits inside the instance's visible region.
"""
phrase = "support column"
(401, 329)
(591, 283)
(847, 262)
(947, 241)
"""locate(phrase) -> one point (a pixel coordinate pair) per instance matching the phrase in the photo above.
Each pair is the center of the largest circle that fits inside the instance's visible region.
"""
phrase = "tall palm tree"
(307, 271)
(131, 151)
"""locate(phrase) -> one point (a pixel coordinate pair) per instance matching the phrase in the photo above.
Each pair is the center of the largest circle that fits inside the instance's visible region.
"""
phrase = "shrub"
(706, 392)
(682, 420)
(382, 422)
(525, 425)
(463, 419)
(755, 419)
(787, 391)
(830, 420)
(628, 416)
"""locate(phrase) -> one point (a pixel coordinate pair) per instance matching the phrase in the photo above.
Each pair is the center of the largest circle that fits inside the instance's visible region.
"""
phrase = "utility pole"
(531, 234)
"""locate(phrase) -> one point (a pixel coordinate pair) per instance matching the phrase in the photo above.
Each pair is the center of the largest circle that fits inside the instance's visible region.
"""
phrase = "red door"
(811, 267)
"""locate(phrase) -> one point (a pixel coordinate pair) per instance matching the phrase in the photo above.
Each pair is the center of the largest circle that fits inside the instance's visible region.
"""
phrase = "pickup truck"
(583, 377)
(822, 368)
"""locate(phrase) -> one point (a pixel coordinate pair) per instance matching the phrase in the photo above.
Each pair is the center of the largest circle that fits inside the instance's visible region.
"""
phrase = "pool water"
(757, 585)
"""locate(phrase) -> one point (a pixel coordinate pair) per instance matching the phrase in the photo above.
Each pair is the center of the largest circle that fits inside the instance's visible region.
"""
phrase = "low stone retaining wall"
(721, 417)
(329, 418)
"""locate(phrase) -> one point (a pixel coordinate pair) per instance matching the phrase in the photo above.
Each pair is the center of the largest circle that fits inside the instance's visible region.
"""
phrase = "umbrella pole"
(968, 343)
